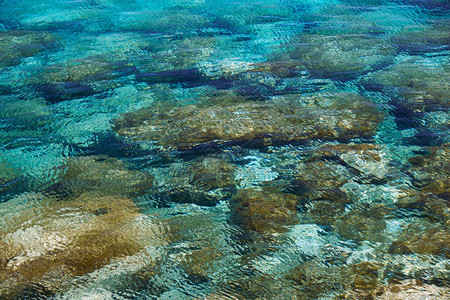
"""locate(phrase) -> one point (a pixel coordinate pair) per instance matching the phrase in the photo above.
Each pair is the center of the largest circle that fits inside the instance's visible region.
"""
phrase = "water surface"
(272, 149)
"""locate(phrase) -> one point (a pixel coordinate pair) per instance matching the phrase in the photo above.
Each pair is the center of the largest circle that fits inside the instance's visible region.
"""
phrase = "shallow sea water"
(271, 149)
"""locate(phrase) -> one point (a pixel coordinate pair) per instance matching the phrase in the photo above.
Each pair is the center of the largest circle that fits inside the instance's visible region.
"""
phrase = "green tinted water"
(224, 150)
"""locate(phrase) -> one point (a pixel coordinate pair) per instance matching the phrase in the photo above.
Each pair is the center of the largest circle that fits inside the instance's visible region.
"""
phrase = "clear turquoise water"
(220, 149)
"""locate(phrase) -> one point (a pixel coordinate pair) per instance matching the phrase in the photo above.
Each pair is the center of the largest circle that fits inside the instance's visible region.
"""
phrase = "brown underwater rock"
(81, 70)
(264, 211)
(432, 241)
(366, 224)
(405, 290)
(428, 196)
(428, 39)
(431, 172)
(203, 181)
(334, 116)
(321, 180)
(430, 181)
(312, 279)
(18, 44)
(79, 78)
(211, 173)
(102, 174)
(45, 241)
(419, 86)
(343, 57)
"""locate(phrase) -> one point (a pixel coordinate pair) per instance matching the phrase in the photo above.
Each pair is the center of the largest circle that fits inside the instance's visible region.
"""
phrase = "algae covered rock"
(177, 60)
(432, 241)
(431, 172)
(341, 57)
(367, 223)
(332, 116)
(89, 68)
(18, 44)
(260, 285)
(362, 163)
(80, 78)
(420, 86)
(15, 109)
(11, 284)
(429, 39)
(325, 179)
(173, 21)
(211, 173)
(203, 181)
(430, 182)
(47, 241)
(321, 179)
(199, 244)
(9, 175)
(314, 279)
(365, 275)
(265, 211)
(318, 185)
(189, 194)
(428, 197)
(102, 174)
(25, 119)
(409, 289)
(412, 289)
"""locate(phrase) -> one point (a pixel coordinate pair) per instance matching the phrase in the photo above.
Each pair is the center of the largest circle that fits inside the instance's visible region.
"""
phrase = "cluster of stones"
(323, 187)
(89, 217)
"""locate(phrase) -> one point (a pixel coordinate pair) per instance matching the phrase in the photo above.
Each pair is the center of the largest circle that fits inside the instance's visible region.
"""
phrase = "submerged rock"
(15, 109)
(173, 21)
(171, 76)
(419, 91)
(334, 174)
(189, 194)
(18, 44)
(202, 181)
(46, 241)
(182, 57)
(9, 176)
(432, 241)
(102, 174)
(211, 173)
(430, 182)
(364, 224)
(428, 198)
(434, 38)
(80, 70)
(80, 78)
(420, 86)
(431, 172)
(265, 211)
(404, 290)
(341, 57)
(328, 117)
(321, 179)
(313, 279)
(260, 285)
(206, 252)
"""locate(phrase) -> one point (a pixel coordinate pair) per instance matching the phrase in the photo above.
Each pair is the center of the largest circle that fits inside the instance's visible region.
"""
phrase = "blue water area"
(198, 149)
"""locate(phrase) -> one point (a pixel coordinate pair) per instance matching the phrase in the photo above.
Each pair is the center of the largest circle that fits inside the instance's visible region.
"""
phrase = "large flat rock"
(289, 119)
